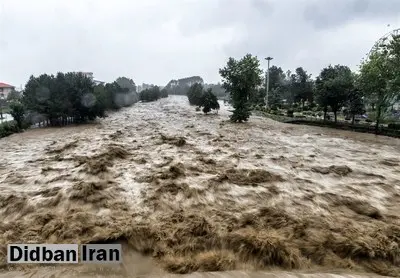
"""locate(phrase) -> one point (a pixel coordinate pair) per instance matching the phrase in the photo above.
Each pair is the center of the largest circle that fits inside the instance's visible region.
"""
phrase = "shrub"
(209, 101)
(8, 128)
(17, 112)
(290, 113)
(394, 126)
(150, 94)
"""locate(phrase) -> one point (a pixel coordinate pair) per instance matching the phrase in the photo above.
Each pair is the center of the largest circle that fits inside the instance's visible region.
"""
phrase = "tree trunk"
(353, 118)
(325, 111)
(335, 113)
(378, 117)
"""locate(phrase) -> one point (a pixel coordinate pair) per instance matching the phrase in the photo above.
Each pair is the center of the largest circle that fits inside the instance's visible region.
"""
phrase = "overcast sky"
(154, 41)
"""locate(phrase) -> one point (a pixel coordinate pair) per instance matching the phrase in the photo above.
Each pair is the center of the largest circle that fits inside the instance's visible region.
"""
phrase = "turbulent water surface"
(191, 193)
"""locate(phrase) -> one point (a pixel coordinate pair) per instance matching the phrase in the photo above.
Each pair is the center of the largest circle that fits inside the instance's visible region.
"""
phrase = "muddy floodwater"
(187, 193)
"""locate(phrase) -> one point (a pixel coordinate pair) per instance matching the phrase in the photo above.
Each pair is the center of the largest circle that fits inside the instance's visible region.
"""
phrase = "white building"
(5, 89)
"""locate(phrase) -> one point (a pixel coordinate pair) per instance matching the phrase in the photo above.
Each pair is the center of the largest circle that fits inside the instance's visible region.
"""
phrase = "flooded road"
(186, 193)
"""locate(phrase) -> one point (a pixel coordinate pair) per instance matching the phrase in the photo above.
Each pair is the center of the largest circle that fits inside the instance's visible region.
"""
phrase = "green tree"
(276, 77)
(240, 78)
(164, 93)
(380, 78)
(355, 104)
(209, 101)
(333, 87)
(301, 86)
(126, 83)
(18, 113)
(13, 95)
(275, 97)
(151, 94)
(195, 94)
(57, 98)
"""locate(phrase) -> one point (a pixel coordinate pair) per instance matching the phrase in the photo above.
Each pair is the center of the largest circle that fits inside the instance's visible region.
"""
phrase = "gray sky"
(154, 41)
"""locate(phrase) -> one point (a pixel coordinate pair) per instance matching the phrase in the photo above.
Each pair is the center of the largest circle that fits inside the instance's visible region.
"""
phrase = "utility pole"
(266, 100)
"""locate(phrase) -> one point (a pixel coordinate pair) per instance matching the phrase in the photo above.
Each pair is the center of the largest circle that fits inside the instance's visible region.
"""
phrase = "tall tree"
(380, 78)
(240, 78)
(356, 105)
(301, 86)
(333, 86)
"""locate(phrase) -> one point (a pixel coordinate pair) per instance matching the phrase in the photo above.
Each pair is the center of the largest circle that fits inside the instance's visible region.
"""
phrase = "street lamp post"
(266, 100)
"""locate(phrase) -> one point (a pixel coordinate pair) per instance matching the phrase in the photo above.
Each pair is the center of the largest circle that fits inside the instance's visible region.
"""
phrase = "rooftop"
(4, 85)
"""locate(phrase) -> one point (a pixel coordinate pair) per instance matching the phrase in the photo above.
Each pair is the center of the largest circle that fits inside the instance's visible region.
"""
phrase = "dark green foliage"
(164, 93)
(195, 94)
(355, 103)
(240, 79)
(151, 94)
(333, 87)
(8, 128)
(301, 86)
(257, 97)
(126, 83)
(380, 78)
(73, 97)
(17, 112)
(394, 126)
(61, 96)
(290, 112)
(13, 95)
(275, 97)
(209, 101)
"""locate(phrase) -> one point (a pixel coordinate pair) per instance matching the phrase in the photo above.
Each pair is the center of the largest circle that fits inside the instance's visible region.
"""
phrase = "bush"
(150, 94)
(195, 94)
(209, 101)
(18, 112)
(394, 126)
(8, 128)
(290, 113)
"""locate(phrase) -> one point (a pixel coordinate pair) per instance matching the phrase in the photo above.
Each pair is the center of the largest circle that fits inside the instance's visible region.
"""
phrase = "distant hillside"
(181, 86)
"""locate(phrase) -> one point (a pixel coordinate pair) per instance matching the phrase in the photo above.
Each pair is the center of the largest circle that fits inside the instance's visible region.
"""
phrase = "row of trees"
(153, 94)
(206, 99)
(70, 97)
(336, 87)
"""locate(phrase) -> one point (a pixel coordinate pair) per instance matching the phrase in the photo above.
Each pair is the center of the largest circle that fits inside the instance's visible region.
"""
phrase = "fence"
(365, 128)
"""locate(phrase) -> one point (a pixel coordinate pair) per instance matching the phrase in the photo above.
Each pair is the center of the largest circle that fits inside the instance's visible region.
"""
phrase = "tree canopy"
(209, 101)
(72, 96)
(380, 78)
(150, 94)
(195, 94)
(240, 79)
(333, 87)
(126, 83)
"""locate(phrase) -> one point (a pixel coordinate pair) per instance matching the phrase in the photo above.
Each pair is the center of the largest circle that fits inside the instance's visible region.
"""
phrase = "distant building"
(90, 75)
(87, 74)
(5, 89)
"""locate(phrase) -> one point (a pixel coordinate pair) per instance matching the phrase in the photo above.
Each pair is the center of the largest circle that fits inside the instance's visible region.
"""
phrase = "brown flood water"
(194, 194)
